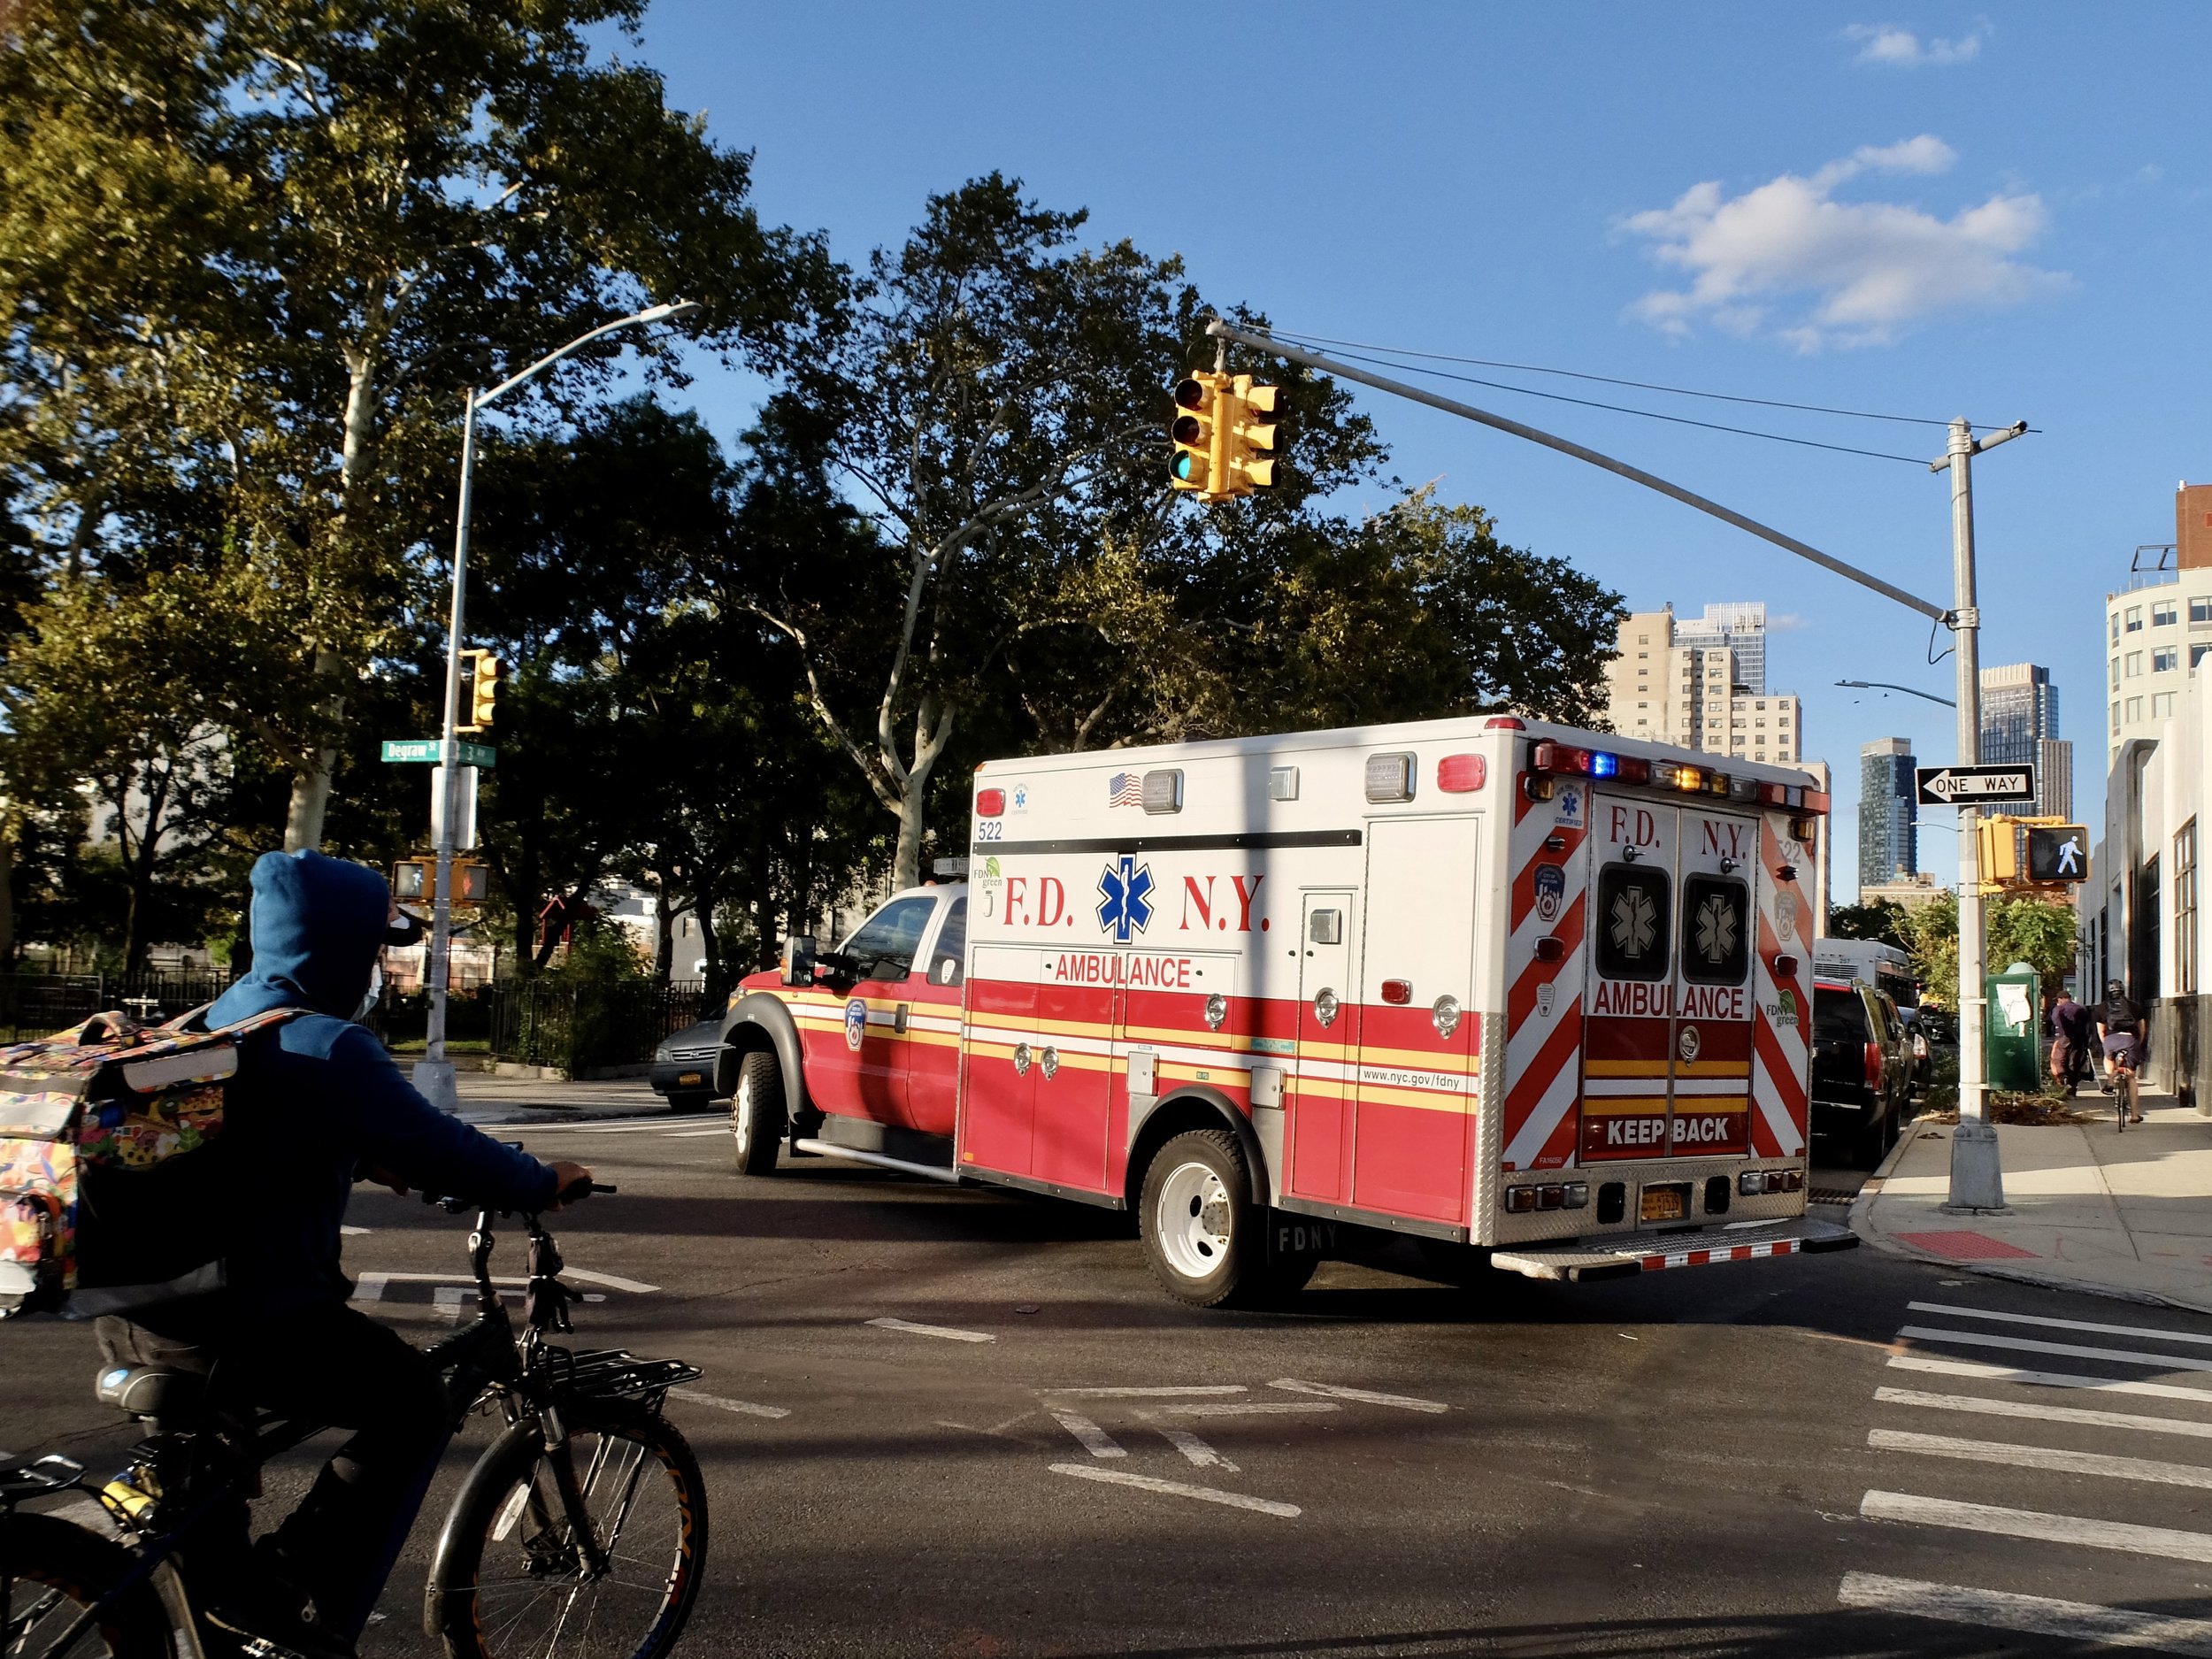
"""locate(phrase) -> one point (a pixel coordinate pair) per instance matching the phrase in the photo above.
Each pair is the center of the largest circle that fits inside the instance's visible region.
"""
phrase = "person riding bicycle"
(317, 1105)
(2120, 1029)
(2069, 1039)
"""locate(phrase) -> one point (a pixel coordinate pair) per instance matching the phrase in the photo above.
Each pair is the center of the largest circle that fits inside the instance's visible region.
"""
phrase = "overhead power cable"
(1618, 409)
(1641, 385)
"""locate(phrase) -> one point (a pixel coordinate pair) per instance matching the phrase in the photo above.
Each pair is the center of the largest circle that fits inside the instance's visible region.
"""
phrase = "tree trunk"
(311, 784)
(663, 936)
(8, 833)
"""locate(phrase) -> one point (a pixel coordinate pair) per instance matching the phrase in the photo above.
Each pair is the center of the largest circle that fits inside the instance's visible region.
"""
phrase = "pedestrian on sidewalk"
(2120, 1029)
(2069, 1040)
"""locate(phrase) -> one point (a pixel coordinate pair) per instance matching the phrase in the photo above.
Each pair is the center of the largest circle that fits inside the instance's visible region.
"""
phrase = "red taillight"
(1560, 758)
(1398, 993)
(990, 802)
(1504, 723)
(1874, 1066)
(1462, 774)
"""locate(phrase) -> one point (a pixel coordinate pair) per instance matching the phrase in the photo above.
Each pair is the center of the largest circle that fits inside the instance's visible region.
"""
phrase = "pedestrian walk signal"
(2058, 852)
(417, 878)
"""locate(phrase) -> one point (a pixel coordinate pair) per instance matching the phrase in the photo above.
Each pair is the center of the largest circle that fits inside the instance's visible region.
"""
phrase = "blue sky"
(1931, 211)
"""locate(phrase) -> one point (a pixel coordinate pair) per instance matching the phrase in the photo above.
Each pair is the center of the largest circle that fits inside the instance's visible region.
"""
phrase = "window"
(1760, 706)
(1640, 656)
(2135, 663)
(2162, 705)
(2186, 910)
(2196, 655)
(1644, 639)
(2200, 612)
(1716, 940)
(1633, 924)
(2115, 716)
(2116, 621)
(2135, 618)
(948, 957)
(1758, 723)
(2164, 613)
(883, 945)
(2135, 710)
(2165, 660)
(2115, 673)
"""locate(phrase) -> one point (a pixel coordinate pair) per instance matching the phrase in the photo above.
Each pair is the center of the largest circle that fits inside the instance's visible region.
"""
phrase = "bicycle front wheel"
(52, 1574)
(512, 1576)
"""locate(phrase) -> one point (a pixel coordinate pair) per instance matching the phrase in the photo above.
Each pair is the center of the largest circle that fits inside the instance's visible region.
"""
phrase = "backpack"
(111, 1161)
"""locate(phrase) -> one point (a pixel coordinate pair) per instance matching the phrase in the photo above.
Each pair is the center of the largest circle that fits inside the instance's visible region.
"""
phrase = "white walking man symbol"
(2070, 855)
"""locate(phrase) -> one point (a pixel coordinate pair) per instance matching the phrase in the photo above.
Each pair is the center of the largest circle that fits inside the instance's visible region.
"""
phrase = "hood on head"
(317, 926)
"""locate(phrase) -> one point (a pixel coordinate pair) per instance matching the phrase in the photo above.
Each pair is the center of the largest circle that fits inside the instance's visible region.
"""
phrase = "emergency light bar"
(1597, 763)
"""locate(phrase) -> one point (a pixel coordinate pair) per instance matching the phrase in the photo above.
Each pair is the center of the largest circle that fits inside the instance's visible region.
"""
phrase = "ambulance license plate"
(1669, 1202)
(690, 1077)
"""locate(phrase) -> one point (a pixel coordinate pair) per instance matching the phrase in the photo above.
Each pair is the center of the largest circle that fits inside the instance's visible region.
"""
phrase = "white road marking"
(2046, 1414)
(2053, 1529)
(1177, 1489)
(2049, 1378)
(1150, 1394)
(1251, 1408)
(370, 1287)
(1094, 1440)
(743, 1407)
(2151, 1331)
(2043, 1615)
(2040, 1457)
(447, 1300)
(1366, 1396)
(644, 1127)
(351, 1232)
(692, 1134)
(944, 1331)
(1197, 1450)
(2117, 1355)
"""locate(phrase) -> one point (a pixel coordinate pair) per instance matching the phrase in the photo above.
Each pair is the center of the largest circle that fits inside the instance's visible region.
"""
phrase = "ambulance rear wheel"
(1202, 1231)
(757, 1118)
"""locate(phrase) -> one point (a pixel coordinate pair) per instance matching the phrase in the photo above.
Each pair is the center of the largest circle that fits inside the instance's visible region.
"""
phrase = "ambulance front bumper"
(1626, 1254)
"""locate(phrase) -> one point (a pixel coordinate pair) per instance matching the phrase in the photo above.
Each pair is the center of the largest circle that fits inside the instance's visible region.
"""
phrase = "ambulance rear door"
(1711, 1054)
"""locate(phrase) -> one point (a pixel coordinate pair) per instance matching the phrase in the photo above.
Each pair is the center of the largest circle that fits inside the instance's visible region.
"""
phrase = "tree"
(256, 247)
(1883, 919)
(2037, 930)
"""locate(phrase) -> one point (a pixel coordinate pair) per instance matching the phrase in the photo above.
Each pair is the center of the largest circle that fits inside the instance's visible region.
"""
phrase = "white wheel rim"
(1193, 1219)
(742, 1115)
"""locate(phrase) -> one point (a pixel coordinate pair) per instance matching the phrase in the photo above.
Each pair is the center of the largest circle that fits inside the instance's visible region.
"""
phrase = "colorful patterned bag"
(112, 1164)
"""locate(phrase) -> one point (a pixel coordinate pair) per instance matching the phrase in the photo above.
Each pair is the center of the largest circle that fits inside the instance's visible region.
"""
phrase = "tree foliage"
(2037, 930)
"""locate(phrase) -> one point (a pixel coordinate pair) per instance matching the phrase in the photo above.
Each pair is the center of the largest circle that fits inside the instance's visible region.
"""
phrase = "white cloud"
(1858, 271)
(1902, 48)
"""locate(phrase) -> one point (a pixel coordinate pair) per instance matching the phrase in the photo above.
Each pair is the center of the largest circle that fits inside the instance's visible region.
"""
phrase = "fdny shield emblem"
(855, 1023)
(1551, 888)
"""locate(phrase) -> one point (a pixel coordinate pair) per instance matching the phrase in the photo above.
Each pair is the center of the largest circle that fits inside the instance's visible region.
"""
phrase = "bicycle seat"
(150, 1392)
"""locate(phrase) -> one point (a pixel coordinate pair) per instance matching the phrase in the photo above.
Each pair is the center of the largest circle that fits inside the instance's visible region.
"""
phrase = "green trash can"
(2013, 1029)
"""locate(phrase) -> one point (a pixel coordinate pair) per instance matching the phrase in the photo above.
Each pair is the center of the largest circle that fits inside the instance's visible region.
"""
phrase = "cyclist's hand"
(384, 1178)
(572, 1181)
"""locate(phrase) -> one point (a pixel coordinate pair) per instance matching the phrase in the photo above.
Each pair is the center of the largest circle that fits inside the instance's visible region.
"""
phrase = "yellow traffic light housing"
(1250, 419)
(1997, 849)
(1201, 460)
(483, 691)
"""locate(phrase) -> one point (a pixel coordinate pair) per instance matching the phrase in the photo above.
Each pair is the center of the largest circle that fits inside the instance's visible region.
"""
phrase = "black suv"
(1862, 1069)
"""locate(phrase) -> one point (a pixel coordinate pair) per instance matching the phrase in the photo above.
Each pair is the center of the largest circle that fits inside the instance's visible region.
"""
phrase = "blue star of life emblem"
(1126, 898)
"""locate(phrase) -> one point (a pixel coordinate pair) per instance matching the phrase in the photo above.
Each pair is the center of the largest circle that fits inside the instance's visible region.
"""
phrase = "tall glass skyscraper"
(2020, 725)
(1888, 841)
(1741, 626)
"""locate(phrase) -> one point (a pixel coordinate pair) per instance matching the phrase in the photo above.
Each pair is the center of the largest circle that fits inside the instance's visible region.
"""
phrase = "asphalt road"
(1787, 1457)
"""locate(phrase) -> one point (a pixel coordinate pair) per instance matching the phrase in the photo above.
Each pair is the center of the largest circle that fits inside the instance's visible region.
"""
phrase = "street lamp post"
(433, 1072)
(1887, 685)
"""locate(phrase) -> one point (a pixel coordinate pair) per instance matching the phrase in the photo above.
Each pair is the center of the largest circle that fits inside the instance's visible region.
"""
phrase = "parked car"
(1922, 1049)
(1862, 1069)
(683, 1066)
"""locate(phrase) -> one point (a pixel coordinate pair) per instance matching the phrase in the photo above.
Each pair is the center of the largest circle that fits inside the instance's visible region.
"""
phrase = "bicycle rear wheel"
(50, 1571)
(511, 1578)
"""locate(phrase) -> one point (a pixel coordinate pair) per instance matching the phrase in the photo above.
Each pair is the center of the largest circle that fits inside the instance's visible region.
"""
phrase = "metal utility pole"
(1978, 1180)
(433, 1072)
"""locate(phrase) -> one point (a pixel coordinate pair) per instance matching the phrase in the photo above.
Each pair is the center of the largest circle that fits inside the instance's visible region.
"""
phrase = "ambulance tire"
(757, 1118)
(1203, 1233)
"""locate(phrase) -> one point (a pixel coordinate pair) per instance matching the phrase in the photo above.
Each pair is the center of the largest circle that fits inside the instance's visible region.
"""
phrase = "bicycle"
(2122, 1069)
(547, 1546)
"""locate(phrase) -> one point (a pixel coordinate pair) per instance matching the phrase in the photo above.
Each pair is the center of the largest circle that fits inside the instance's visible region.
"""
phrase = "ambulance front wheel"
(1203, 1232)
(757, 1116)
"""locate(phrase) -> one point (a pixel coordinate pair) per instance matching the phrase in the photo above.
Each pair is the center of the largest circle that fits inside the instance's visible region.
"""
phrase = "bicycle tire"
(74, 1568)
(495, 1615)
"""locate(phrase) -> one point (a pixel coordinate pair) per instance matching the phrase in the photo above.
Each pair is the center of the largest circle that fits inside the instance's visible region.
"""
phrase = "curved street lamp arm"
(1884, 685)
(650, 314)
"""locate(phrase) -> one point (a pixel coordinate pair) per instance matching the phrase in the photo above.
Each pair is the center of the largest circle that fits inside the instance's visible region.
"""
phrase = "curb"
(1868, 1234)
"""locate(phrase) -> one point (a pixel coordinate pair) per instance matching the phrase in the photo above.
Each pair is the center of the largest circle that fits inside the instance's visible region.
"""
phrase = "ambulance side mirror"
(798, 959)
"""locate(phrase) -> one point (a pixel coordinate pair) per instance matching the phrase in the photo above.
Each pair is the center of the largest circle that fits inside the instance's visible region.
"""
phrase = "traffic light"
(483, 691)
(1250, 417)
(1997, 848)
(2058, 852)
(1201, 462)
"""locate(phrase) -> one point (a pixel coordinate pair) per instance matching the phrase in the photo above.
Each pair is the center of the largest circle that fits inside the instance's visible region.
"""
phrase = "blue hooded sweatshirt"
(317, 1099)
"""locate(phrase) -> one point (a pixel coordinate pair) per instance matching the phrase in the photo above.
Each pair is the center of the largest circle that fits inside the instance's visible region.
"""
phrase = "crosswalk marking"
(1366, 1396)
(2043, 1413)
(1177, 1489)
(2055, 1529)
(2040, 1457)
(2151, 1332)
(2049, 1378)
(2115, 1356)
(1093, 1439)
(2043, 1615)
(1197, 1450)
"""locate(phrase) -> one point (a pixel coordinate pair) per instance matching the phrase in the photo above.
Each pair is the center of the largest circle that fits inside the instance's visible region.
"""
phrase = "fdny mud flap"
(1622, 1255)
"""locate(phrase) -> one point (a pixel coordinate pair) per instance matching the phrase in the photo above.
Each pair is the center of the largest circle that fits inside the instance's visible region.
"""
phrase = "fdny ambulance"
(1537, 995)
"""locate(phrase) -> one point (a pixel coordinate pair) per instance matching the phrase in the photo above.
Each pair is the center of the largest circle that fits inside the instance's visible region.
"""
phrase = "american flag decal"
(1125, 789)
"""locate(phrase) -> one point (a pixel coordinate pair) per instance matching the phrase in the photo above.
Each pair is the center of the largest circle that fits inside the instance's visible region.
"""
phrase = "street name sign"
(1975, 786)
(425, 749)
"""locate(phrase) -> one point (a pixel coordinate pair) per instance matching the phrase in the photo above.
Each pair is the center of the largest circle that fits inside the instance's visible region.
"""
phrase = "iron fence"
(33, 1005)
(587, 1027)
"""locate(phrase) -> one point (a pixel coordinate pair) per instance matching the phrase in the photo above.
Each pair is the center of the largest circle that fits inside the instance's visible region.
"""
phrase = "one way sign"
(1975, 786)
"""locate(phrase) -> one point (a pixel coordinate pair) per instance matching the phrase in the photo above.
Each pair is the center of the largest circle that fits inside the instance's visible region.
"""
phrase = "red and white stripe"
(1543, 1057)
(1732, 1253)
(1778, 1052)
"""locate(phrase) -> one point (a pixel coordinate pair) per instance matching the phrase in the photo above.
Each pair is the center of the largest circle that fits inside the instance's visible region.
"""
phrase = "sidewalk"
(486, 1099)
(2089, 1209)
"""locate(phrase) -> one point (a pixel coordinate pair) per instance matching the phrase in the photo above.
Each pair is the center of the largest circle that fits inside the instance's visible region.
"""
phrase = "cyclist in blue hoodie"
(317, 1105)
